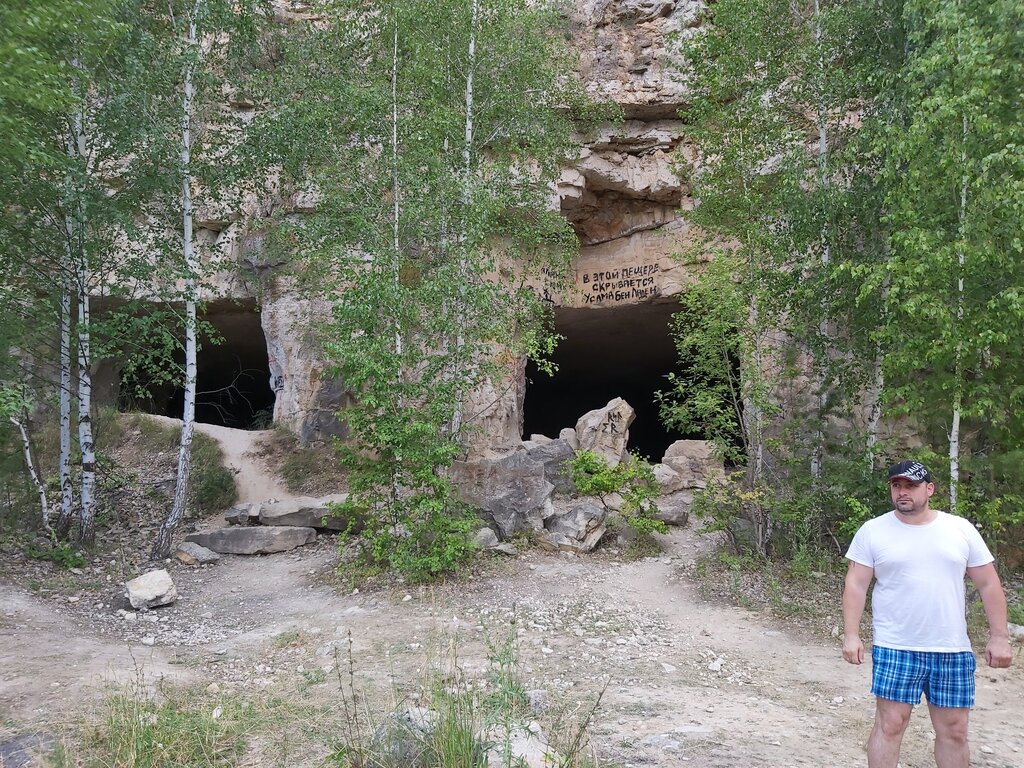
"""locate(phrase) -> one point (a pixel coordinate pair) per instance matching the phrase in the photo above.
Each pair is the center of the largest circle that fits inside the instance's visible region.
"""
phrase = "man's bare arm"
(998, 652)
(855, 591)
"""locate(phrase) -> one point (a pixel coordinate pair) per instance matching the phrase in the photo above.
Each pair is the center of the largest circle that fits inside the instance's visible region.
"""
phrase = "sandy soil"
(686, 681)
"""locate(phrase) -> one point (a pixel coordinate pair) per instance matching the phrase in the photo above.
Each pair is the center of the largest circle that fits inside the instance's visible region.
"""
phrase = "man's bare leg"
(950, 723)
(891, 718)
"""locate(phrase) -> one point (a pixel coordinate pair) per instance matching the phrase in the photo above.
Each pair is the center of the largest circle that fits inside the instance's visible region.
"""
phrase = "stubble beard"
(909, 508)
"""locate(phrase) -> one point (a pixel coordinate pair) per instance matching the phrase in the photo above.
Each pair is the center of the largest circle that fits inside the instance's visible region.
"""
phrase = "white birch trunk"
(85, 437)
(751, 372)
(458, 415)
(396, 211)
(67, 498)
(162, 545)
(958, 365)
(69, 269)
(26, 448)
(752, 412)
(78, 149)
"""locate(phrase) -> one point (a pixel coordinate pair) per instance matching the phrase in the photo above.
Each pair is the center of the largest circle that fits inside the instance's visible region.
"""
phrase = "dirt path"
(243, 451)
(686, 682)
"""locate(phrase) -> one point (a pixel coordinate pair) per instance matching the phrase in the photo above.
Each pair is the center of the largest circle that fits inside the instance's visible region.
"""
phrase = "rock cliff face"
(626, 201)
(622, 195)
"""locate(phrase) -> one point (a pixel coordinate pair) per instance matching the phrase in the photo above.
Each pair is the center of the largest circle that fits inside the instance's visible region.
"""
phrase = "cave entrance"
(232, 373)
(606, 353)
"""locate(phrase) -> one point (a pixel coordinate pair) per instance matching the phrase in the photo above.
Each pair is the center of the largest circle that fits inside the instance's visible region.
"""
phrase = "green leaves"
(431, 134)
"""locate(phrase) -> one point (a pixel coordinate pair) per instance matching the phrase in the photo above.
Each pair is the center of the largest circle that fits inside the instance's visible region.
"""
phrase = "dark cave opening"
(232, 376)
(617, 352)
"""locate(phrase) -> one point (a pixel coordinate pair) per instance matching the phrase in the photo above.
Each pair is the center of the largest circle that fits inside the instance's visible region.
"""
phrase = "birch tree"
(954, 188)
(201, 36)
(778, 91)
(432, 155)
(162, 544)
(61, 208)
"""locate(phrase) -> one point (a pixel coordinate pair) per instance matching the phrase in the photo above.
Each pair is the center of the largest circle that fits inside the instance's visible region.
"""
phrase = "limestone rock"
(496, 405)
(569, 435)
(244, 514)
(307, 512)
(630, 58)
(668, 480)
(553, 454)
(510, 491)
(695, 462)
(191, 553)
(257, 540)
(27, 750)
(306, 399)
(605, 431)
(520, 744)
(675, 508)
(151, 590)
(577, 529)
(485, 538)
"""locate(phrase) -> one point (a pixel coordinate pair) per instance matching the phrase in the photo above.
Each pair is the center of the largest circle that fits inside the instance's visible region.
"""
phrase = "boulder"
(668, 480)
(244, 514)
(151, 590)
(553, 454)
(520, 745)
(509, 491)
(569, 435)
(308, 512)
(675, 508)
(576, 529)
(250, 540)
(605, 431)
(190, 553)
(485, 538)
(695, 462)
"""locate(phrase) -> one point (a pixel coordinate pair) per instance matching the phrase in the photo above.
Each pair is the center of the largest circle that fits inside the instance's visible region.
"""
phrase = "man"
(918, 557)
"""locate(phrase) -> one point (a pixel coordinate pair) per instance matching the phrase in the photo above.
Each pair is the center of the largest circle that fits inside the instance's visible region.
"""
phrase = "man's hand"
(853, 649)
(998, 653)
(855, 590)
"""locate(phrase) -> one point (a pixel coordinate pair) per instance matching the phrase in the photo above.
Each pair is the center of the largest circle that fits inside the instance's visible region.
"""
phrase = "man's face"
(910, 498)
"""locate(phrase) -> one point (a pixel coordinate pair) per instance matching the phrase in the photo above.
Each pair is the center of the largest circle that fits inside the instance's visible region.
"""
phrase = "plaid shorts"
(946, 679)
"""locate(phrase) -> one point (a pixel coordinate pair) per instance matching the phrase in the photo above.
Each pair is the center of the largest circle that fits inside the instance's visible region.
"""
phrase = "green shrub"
(211, 484)
(422, 538)
(633, 479)
(63, 554)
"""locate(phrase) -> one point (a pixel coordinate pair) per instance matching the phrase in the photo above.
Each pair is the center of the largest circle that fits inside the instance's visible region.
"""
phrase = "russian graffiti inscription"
(629, 283)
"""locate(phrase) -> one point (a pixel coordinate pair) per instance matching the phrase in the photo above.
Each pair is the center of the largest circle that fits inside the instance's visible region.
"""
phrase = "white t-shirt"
(919, 598)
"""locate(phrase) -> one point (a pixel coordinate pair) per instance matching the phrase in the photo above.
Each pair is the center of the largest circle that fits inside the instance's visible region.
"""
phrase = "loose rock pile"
(529, 490)
(526, 490)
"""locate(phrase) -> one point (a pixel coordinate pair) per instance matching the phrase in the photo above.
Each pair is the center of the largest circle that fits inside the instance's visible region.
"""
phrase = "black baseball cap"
(914, 471)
